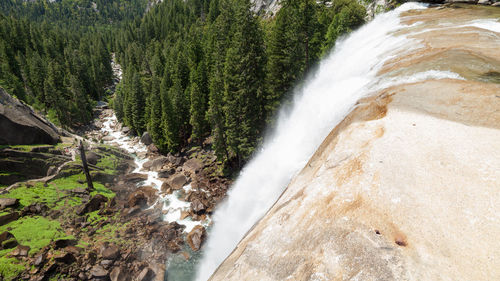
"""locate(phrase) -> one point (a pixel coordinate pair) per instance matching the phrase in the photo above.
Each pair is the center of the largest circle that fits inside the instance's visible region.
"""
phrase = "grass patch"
(35, 232)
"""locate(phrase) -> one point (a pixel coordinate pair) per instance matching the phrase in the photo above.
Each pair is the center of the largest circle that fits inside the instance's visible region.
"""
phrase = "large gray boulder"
(19, 124)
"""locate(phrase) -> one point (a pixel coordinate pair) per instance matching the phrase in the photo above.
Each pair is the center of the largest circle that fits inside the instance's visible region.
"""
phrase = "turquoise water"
(180, 269)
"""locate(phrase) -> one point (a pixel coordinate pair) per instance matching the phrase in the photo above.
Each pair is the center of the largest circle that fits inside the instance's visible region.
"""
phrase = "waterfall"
(342, 78)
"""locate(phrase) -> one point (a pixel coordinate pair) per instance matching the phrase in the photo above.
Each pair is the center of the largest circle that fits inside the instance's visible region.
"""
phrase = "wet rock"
(111, 252)
(137, 199)
(20, 251)
(126, 130)
(147, 274)
(5, 219)
(178, 181)
(135, 177)
(131, 211)
(98, 271)
(186, 255)
(146, 139)
(197, 206)
(108, 138)
(92, 157)
(94, 204)
(166, 172)
(156, 164)
(8, 202)
(196, 237)
(119, 274)
(166, 188)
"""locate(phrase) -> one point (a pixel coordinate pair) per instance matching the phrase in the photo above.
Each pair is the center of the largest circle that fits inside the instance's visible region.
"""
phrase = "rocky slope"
(406, 187)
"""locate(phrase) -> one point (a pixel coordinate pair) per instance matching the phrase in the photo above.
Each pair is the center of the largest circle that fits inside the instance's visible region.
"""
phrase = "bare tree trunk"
(90, 186)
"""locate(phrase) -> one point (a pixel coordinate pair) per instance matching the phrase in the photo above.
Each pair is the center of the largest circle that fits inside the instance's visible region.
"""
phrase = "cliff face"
(407, 186)
(19, 124)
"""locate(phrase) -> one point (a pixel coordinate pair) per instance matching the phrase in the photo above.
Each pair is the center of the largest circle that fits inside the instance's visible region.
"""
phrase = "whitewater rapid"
(345, 76)
(172, 204)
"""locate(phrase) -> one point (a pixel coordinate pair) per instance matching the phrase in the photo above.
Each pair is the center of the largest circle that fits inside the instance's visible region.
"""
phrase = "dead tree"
(90, 186)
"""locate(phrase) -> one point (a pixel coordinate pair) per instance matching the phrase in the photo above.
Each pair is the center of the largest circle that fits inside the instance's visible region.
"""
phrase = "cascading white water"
(327, 97)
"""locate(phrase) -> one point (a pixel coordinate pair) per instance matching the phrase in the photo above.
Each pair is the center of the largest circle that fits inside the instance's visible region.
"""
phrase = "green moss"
(20, 147)
(109, 232)
(101, 189)
(94, 217)
(10, 268)
(108, 162)
(7, 173)
(55, 194)
(35, 232)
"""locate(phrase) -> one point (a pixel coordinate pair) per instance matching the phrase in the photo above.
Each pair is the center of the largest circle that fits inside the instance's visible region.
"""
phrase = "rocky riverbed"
(177, 192)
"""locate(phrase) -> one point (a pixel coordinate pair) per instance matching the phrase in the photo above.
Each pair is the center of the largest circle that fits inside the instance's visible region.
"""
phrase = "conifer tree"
(155, 127)
(243, 85)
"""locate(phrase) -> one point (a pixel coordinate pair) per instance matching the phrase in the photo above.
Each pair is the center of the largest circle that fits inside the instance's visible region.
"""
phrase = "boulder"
(63, 243)
(9, 243)
(110, 253)
(8, 202)
(166, 188)
(20, 251)
(35, 209)
(98, 271)
(178, 181)
(197, 206)
(135, 177)
(4, 236)
(152, 148)
(146, 139)
(137, 199)
(193, 165)
(156, 164)
(93, 204)
(108, 138)
(39, 259)
(126, 130)
(119, 274)
(92, 157)
(166, 172)
(147, 274)
(65, 257)
(19, 124)
(196, 237)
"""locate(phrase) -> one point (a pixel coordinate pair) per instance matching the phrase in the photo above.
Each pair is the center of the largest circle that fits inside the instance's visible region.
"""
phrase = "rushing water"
(342, 78)
(172, 204)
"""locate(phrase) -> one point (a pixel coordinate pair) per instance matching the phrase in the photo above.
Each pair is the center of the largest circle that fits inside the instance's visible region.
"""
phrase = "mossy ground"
(35, 232)
(38, 232)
